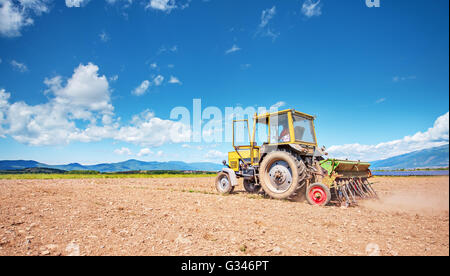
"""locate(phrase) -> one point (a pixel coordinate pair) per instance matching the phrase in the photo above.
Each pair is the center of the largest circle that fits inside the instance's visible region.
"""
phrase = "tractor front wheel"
(223, 183)
(318, 194)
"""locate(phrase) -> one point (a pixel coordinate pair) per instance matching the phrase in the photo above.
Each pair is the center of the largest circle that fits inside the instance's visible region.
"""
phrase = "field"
(185, 216)
(90, 176)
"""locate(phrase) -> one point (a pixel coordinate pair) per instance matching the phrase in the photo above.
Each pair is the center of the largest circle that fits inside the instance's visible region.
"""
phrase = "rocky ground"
(185, 216)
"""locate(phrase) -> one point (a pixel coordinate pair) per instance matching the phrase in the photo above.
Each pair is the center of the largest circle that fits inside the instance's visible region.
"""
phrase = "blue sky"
(95, 81)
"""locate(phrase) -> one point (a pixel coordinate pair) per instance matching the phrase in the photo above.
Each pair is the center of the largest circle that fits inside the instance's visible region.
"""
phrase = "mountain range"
(427, 158)
(129, 165)
(436, 157)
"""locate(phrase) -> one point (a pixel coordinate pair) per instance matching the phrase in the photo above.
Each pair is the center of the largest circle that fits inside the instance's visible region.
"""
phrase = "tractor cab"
(287, 128)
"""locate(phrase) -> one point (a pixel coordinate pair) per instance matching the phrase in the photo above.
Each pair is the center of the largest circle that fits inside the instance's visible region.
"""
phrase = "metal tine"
(360, 188)
(355, 188)
(366, 189)
(375, 195)
(370, 190)
(350, 193)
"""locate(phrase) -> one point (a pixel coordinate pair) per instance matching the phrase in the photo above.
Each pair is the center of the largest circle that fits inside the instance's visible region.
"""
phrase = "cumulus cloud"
(145, 152)
(148, 130)
(123, 151)
(233, 49)
(76, 3)
(310, 8)
(84, 99)
(214, 155)
(14, 15)
(437, 135)
(85, 90)
(162, 5)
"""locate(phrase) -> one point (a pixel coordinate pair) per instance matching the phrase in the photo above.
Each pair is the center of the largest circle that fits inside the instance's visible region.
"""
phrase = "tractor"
(288, 161)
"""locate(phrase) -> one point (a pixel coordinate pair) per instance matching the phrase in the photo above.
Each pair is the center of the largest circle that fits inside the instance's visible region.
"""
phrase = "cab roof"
(268, 114)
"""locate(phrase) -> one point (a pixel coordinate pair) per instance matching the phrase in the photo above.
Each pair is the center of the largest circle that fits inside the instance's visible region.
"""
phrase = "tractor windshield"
(304, 129)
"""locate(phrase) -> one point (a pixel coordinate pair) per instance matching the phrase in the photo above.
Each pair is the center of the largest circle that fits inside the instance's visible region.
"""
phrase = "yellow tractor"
(288, 160)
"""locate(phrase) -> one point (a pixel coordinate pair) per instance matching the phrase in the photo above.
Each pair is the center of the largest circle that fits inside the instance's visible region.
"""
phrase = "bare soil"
(185, 216)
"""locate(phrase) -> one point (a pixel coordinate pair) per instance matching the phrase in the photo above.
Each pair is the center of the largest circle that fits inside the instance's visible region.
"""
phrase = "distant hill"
(427, 158)
(129, 165)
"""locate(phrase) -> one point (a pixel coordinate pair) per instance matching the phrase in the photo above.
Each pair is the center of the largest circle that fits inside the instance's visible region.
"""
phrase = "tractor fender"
(231, 175)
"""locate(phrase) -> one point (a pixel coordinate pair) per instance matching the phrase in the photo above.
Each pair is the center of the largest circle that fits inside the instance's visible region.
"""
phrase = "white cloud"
(398, 78)
(104, 36)
(123, 151)
(165, 49)
(264, 27)
(145, 85)
(114, 78)
(162, 5)
(266, 16)
(154, 65)
(4, 105)
(14, 15)
(148, 130)
(112, 2)
(174, 80)
(21, 67)
(142, 88)
(233, 49)
(277, 105)
(85, 90)
(435, 136)
(145, 152)
(158, 80)
(381, 100)
(214, 155)
(310, 8)
(160, 153)
(76, 3)
(84, 99)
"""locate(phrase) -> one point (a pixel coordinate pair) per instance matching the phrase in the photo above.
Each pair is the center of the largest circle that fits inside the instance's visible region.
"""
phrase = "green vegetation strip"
(87, 176)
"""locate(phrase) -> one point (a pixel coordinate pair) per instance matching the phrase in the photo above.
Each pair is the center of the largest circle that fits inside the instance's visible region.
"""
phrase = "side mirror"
(224, 162)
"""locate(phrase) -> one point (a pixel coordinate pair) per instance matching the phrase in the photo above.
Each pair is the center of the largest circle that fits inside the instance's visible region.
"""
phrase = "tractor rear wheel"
(251, 186)
(223, 183)
(318, 194)
(280, 173)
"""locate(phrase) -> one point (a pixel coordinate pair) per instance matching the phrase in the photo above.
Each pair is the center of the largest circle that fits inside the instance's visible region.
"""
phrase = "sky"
(102, 80)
